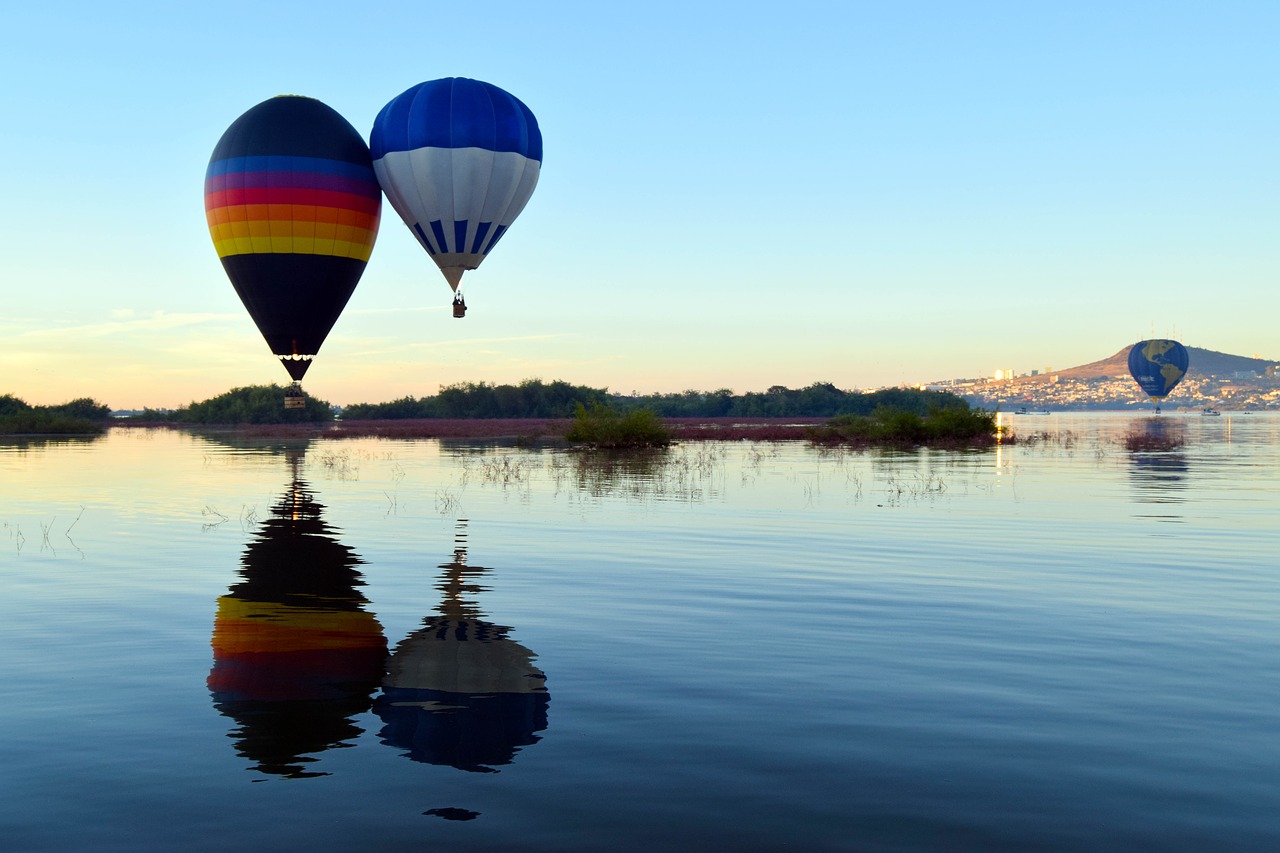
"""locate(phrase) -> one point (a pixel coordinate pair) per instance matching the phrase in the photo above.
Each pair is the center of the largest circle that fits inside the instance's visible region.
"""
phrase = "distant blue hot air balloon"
(458, 159)
(1157, 366)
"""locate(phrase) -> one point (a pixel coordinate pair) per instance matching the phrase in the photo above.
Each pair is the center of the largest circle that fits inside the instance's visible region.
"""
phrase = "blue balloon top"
(456, 112)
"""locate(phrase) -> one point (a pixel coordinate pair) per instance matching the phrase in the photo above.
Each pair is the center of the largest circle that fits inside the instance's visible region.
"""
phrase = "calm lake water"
(213, 643)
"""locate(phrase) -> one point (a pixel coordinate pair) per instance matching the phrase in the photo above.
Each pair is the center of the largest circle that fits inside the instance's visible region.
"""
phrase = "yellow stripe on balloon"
(317, 238)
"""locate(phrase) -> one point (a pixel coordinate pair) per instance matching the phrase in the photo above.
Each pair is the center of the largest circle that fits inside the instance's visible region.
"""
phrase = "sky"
(733, 195)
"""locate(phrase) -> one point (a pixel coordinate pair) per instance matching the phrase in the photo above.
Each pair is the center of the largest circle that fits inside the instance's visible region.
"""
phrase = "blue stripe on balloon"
(460, 236)
(289, 163)
(423, 237)
(481, 230)
(437, 228)
(497, 235)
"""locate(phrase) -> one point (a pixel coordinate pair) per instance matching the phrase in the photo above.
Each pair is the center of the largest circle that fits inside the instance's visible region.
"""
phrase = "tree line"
(534, 398)
(82, 415)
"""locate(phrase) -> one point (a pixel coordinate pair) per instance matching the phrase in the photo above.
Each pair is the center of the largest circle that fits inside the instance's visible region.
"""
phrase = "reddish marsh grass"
(528, 429)
(518, 428)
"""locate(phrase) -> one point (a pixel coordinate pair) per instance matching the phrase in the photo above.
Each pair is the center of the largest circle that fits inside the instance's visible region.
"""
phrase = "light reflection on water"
(1067, 643)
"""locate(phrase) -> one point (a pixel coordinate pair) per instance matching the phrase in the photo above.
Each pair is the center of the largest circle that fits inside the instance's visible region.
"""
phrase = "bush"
(254, 404)
(601, 426)
(79, 417)
(38, 421)
(149, 415)
(891, 425)
(84, 407)
(11, 405)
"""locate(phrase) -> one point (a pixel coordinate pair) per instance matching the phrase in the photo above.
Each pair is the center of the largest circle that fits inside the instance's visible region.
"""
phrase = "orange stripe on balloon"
(251, 212)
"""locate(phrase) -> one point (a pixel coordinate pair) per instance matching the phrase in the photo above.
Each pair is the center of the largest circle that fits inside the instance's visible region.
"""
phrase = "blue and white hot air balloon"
(458, 160)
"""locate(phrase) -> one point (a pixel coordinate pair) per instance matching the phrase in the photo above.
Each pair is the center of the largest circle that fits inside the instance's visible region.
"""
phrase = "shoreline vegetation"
(535, 399)
(78, 417)
(557, 413)
(535, 412)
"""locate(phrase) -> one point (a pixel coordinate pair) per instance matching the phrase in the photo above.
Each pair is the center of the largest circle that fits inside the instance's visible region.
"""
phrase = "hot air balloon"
(1157, 366)
(458, 160)
(293, 208)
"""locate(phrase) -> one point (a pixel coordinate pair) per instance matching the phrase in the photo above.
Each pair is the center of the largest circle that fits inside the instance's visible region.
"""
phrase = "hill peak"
(1205, 362)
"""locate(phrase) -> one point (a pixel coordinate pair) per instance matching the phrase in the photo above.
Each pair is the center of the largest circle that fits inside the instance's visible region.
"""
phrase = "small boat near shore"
(1025, 411)
(1210, 412)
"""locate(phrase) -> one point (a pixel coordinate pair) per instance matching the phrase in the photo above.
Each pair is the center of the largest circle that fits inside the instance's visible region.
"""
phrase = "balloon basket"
(459, 309)
(294, 398)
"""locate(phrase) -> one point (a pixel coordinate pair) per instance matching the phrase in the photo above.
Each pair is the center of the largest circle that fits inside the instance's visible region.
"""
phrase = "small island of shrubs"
(606, 428)
(893, 426)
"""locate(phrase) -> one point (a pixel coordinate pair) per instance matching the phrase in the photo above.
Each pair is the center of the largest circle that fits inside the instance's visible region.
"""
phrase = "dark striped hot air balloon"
(293, 207)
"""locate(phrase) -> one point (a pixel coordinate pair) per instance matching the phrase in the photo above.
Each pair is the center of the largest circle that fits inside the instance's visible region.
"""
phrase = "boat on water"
(1210, 412)
(1025, 411)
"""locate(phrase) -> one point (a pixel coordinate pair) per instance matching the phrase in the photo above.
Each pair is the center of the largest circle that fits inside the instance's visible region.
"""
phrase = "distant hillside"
(1205, 362)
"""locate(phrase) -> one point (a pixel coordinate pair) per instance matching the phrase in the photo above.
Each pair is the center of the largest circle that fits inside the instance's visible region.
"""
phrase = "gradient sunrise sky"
(733, 194)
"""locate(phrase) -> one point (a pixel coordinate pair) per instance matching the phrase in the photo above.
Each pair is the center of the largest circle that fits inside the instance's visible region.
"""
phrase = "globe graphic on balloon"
(1157, 366)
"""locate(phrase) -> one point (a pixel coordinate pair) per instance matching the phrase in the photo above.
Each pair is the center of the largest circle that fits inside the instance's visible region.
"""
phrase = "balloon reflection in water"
(459, 692)
(296, 655)
(1158, 467)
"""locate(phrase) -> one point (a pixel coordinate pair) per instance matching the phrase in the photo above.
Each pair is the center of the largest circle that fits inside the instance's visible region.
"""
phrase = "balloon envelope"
(293, 208)
(458, 160)
(1158, 365)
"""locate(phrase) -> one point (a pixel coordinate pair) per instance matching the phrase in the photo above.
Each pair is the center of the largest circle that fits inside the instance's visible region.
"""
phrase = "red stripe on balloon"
(291, 195)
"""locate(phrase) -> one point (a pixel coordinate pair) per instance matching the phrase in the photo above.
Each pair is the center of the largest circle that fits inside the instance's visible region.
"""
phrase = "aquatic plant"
(889, 425)
(605, 427)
